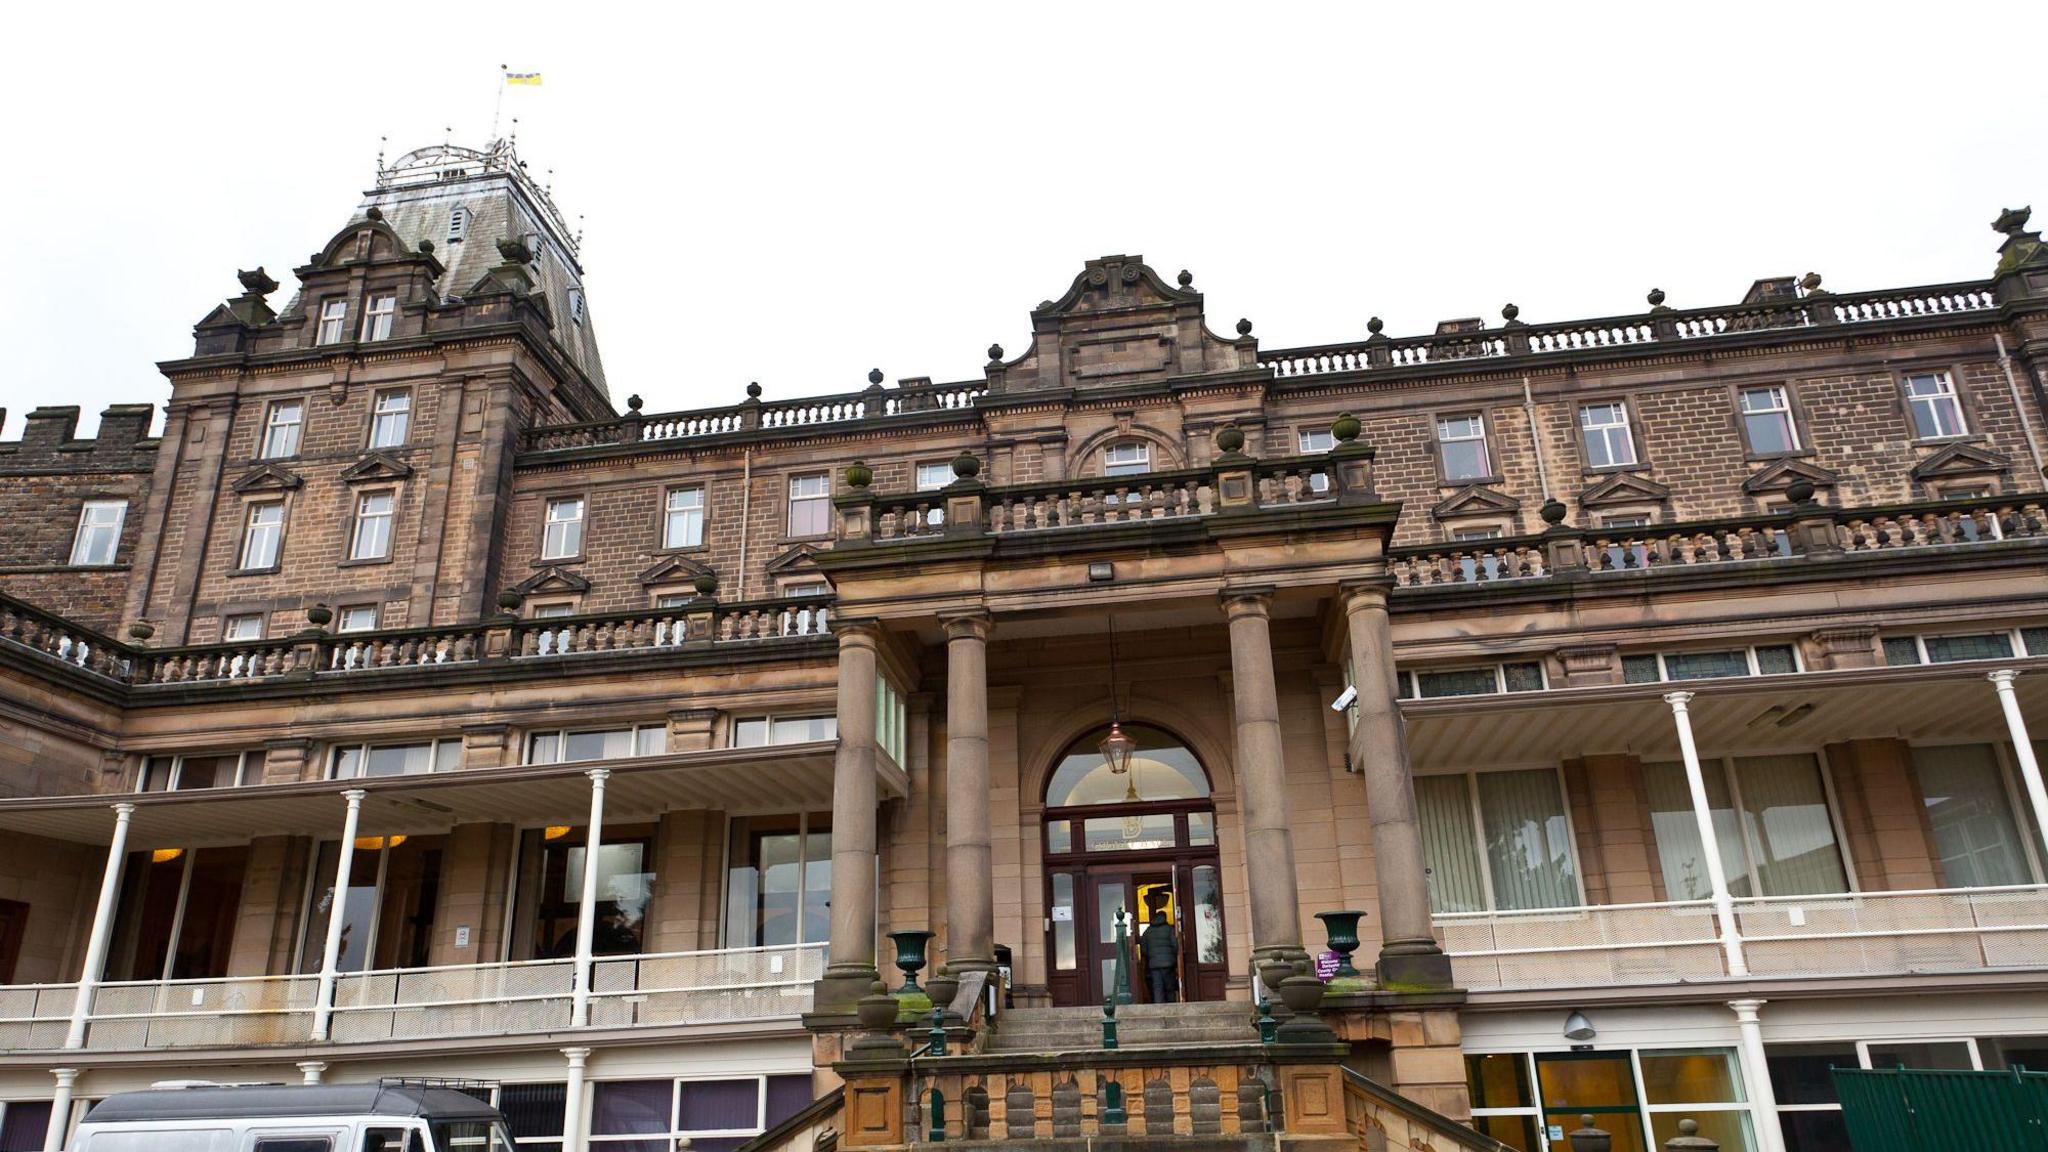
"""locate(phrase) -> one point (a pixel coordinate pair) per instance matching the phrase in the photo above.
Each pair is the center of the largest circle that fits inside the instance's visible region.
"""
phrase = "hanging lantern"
(555, 832)
(1117, 749)
(165, 855)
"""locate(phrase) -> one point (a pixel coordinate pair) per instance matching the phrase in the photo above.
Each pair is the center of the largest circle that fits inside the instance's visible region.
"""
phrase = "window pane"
(1459, 682)
(1063, 921)
(1500, 1080)
(1901, 650)
(1201, 829)
(1702, 1076)
(2036, 640)
(1678, 832)
(1059, 836)
(718, 1105)
(1524, 677)
(1969, 813)
(651, 740)
(1800, 1072)
(630, 1107)
(24, 1124)
(401, 760)
(1517, 1132)
(1705, 665)
(1946, 1055)
(1983, 646)
(1785, 813)
(1776, 660)
(1815, 1132)
(1464, 459)
(1114, 833)
(1527, 850)
(1208, 915)
(1449, 844)
(1728, 1129)
(1639, 670)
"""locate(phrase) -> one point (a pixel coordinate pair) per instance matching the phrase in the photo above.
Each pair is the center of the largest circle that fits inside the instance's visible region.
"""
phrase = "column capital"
(66, 1077)
(576, 1056)
(354, 796)
(968, 624)
(599, 775)
(2003, 677)
(124, 809)
(857, 631)
(1247, 600)
(1745, 1010)
(1365, 592)
(1678, 700)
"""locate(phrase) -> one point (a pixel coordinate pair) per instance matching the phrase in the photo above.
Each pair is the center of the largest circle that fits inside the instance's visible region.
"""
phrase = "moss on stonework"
(912, 1007)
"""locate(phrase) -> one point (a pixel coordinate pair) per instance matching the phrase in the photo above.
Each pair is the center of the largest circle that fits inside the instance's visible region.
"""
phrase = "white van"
(381, 1117)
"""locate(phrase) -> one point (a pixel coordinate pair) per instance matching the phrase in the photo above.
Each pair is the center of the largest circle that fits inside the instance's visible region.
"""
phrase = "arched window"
(1162, 769)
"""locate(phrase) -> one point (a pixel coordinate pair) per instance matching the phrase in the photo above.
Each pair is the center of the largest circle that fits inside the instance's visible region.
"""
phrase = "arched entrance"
(1136, 841)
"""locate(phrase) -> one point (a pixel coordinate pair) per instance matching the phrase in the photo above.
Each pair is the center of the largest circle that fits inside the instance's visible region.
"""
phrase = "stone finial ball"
(874, 375)
(966, 466)
(1186, 278)
(995, 353)
(633, 402)
(1230, 438)
(1375, 325)
(375, 213)
(1656, 297)
(1688, 1127)
(754, 390)
(1509, 313)
(1244, 327)
(426, 247)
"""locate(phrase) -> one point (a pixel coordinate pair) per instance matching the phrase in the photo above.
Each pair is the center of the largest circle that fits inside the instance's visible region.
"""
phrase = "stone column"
(1410, 959)
(970, 896)
(1262, 781)
(102, 927)
(850, 957)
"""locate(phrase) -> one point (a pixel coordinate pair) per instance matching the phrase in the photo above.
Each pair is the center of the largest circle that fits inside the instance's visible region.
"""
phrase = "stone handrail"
(1383, 1118)
(1659, 326)
(696, 623)
(755, 414)
(59, 639)
(1813, 531)
(1088, 501)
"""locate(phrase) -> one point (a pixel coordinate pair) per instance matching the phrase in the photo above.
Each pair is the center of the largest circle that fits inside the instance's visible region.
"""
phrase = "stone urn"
(1345, 428)
(318, 615)
(942, 987)
(1342, 928)
(859, 475)
(912, 1002)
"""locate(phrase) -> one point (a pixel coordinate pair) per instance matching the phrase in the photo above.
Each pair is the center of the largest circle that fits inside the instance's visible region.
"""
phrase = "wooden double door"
(1087, 892)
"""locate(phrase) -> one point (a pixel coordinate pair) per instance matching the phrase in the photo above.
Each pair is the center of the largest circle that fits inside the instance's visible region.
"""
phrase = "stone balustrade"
(1661, 325)
(918, 398)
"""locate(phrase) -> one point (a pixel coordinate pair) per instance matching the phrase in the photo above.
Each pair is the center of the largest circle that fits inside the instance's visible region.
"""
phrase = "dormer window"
(377, 317)
(1131, 458)
(458, 223)
(333, 321)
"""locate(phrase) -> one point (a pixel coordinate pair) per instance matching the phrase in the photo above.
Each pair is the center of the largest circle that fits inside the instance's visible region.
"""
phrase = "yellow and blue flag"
(531, 79)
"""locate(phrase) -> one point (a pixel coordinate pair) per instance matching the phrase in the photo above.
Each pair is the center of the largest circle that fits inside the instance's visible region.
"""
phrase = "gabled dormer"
(1119, 324)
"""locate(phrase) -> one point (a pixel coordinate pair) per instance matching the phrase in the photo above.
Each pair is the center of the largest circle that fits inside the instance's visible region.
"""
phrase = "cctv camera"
(1349, 698)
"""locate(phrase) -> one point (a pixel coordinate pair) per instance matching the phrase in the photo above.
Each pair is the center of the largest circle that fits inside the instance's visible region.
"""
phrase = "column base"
(1414, 966)
(839, 991)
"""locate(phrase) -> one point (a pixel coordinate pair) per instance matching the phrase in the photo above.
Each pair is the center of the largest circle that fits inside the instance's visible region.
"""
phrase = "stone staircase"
(1138, 1026)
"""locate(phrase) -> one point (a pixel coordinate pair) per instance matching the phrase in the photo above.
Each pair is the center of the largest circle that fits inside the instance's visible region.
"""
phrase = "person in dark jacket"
(1161, 949)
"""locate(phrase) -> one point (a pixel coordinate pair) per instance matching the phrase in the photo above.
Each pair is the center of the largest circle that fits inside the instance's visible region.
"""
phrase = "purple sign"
(1326, 965)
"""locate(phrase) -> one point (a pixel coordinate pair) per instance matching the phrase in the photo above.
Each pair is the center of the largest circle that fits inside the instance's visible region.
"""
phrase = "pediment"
(1116, 284)
(1623, 488)
(795, 558)
(1475, 500)
(376, 466)
(268, 478)
(1782, 474)
(674, 570)
(553, 578)
(1961, 460)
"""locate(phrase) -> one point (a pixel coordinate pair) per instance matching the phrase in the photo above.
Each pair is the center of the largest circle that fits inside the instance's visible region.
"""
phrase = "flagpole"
(497, 105)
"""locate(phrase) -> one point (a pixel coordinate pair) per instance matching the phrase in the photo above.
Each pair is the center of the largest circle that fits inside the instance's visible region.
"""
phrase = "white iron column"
(337, 913)
(60, 1109)
(1763, 1102)
(586, 915)
(310, 1071)
(1710, 844)
(575, 1129)
(2022, 745)
(102, 927)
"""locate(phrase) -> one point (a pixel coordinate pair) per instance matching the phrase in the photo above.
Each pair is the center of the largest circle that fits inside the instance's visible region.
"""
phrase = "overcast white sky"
(796, 195)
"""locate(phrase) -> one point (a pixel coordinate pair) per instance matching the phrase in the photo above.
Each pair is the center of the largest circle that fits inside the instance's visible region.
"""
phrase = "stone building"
(408, 707)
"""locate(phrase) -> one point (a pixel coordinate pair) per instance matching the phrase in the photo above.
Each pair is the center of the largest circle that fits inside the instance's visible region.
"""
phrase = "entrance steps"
(1137, 1025)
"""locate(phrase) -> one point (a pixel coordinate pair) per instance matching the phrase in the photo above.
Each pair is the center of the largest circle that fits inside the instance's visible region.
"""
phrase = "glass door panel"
(1600, 1084)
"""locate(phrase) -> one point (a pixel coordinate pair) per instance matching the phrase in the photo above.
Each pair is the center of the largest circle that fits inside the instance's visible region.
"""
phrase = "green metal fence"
(1922, 1110)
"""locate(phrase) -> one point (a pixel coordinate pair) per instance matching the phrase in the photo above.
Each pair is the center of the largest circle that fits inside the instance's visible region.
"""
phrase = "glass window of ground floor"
(1802, 1080)
(1533, 1100)
(712, 1115)
(23, 1124)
